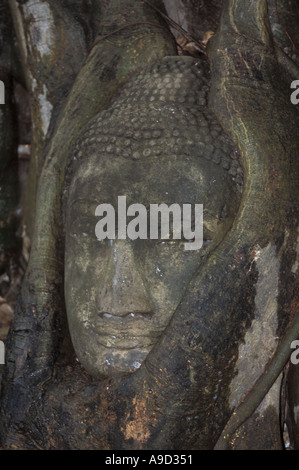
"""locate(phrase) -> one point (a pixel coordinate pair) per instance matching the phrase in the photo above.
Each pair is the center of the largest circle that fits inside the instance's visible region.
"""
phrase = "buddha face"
(121, 294)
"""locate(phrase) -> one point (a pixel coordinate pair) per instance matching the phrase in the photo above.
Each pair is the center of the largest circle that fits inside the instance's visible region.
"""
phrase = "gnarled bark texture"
(229, 339)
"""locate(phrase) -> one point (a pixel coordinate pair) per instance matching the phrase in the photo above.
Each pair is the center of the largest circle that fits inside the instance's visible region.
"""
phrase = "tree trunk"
(229, 338)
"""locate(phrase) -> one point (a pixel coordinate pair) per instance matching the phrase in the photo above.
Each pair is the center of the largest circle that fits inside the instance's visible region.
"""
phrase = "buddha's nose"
(123, 291)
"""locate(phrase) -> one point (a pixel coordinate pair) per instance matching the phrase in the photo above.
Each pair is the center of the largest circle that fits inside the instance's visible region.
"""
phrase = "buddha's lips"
(126, 315)
(133, 324)
(134, 330)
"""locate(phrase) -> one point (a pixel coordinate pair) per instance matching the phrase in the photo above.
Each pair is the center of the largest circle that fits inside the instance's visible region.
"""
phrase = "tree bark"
(195, 389)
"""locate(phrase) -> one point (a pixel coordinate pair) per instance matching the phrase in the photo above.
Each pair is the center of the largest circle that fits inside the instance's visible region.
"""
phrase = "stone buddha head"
(156, 144)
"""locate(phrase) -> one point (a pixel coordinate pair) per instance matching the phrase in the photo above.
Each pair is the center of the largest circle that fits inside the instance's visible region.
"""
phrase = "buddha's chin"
(111, 362)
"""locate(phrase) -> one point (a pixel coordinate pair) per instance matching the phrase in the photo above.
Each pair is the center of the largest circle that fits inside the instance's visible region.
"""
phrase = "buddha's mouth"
(132, 330)
(125, 315)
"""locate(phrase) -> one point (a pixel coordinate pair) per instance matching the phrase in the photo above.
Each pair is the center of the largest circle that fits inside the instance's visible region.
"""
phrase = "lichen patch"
(137, 426)
(41, 25)
(260, 339)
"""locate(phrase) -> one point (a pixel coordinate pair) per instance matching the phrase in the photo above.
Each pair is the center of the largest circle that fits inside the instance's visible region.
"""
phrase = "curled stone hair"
(162, 109)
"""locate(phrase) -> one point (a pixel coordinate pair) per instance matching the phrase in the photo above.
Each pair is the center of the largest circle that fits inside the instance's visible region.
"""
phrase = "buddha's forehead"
(177, 178)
